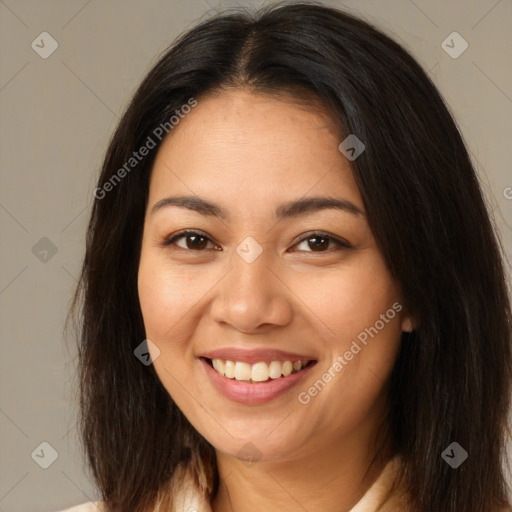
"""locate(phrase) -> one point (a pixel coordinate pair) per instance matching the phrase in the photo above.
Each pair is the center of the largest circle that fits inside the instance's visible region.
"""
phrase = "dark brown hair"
(452, 379)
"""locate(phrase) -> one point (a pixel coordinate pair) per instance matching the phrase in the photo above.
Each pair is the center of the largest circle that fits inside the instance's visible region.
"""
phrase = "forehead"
(253, 148)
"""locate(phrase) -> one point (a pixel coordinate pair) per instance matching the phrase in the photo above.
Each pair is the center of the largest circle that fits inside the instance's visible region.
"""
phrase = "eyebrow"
(287, 210)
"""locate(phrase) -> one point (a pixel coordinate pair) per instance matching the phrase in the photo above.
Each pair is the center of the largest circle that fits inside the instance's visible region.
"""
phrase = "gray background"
(56, 117)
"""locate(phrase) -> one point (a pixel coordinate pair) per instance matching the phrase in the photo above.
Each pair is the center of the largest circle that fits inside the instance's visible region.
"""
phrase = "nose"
(252, 298)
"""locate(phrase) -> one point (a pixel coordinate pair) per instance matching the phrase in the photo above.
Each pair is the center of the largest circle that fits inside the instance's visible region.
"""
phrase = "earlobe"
(407, 324)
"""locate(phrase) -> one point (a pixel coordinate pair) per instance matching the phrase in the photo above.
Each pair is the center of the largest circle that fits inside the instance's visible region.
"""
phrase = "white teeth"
(229, 369)
(242, 371)
(259, 372)
(287, 368)
(274, 370)
(218, 364)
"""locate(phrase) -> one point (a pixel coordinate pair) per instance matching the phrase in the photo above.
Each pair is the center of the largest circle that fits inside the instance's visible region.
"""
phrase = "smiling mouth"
(259, 372)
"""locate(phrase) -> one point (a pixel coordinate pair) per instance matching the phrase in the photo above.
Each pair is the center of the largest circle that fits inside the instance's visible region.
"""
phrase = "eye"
(190, 240)
(198, 241)
(322, 242)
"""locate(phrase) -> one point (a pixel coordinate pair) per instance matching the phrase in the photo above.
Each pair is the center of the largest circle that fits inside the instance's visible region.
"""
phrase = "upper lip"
(255, 356)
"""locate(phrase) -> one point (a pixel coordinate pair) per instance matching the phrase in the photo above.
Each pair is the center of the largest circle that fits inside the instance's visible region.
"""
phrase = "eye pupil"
(319, 243)
(197, 242)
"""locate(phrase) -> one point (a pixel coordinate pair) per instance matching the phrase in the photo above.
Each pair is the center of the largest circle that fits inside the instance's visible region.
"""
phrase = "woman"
(292, 296)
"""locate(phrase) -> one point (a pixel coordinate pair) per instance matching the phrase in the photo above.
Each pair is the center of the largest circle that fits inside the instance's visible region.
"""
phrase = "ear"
(409, 320)
(407, 324)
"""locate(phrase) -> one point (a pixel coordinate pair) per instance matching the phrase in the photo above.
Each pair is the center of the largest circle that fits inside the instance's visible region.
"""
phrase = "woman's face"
(281, 267)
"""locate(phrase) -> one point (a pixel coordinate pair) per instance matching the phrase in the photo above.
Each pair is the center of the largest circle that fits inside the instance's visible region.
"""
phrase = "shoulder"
(90, 506)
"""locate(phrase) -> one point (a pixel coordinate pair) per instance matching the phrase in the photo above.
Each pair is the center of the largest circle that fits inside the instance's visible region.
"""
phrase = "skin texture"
(249, 153)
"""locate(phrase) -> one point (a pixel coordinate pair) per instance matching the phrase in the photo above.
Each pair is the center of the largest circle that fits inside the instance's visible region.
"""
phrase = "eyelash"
(342, 244)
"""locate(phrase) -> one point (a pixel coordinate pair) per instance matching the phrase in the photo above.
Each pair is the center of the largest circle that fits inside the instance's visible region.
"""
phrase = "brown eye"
(321, 242)
(318, 243)
(190, 240)
(196, 241)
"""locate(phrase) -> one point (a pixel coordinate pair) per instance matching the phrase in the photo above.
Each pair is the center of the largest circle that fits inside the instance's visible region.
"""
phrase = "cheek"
(172, 300)
(358, 313)
(166, 300)
(357, 380)
(344, 302)
(157, 300)
(166, 297)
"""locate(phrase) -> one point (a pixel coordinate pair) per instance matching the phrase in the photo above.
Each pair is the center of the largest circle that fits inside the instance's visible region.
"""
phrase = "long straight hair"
(452, 379)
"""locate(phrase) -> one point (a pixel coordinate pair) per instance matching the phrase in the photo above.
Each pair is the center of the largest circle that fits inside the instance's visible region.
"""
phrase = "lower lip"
(253, 393)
